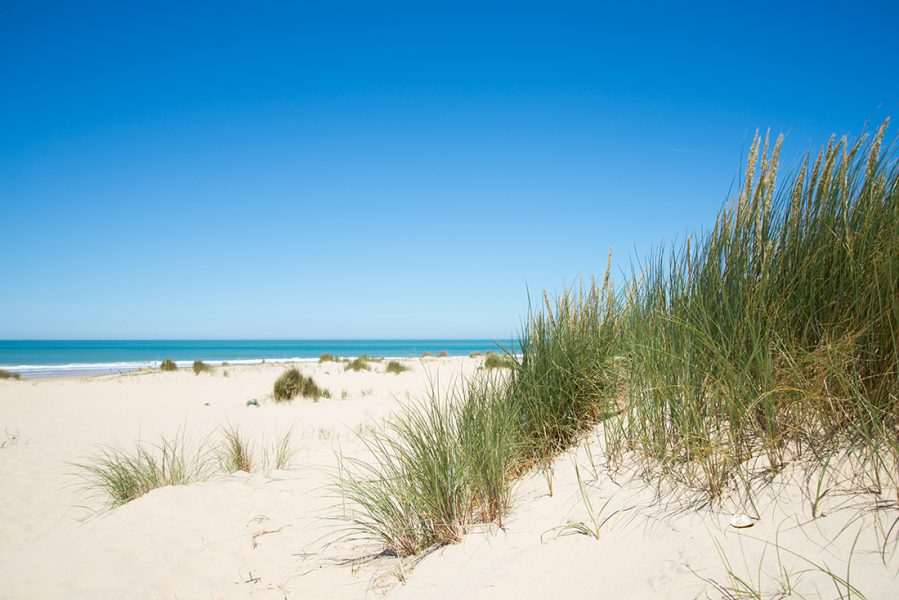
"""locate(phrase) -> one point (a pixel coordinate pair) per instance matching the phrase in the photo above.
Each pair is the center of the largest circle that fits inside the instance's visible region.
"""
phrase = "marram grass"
(438, 467)
(121, 475)
(776, 332)
(773, 335)
(291, 383)
(395, 367)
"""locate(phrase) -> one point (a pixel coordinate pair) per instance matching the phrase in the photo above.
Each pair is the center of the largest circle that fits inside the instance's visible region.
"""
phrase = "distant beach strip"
(52, 358)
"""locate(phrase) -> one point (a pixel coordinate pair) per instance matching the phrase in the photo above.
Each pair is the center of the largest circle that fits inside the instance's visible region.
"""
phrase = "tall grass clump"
(438, 467)
(327, 357)
(168, 365)
(291, 383)
(776, 333)
(772, 336)
(568, 378)
(122, 475)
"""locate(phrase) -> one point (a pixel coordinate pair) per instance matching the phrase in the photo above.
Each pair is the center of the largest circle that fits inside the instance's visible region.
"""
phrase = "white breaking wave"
(122, 367)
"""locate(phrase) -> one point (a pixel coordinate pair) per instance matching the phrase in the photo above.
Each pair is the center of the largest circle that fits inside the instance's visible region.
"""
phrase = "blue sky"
(352, 170)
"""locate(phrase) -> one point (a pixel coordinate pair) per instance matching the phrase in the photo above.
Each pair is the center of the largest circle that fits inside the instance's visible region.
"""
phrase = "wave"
(125, 367)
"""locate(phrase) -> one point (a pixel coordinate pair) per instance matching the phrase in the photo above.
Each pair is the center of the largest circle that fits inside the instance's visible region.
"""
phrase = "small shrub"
(443, 354)
(200, 367)
(288, 385)
(328, 358)
(291, 384)
(359, 364)
(396, 367)
(4, 374)
(495, 361)
(168, 365)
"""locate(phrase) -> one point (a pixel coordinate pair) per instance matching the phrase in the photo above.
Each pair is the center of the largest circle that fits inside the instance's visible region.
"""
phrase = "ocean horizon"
(48, 358)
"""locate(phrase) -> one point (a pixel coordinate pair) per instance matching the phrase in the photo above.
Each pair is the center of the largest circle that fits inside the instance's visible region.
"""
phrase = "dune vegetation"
(395, 367)
(770, 339)
(498, 361)
(358, 364)
(201, 367)
(291, 383)
(119, 475)
(4, 374)
(168, 365)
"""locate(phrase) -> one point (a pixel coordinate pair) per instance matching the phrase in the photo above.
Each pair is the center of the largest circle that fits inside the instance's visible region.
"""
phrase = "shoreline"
(17, 357)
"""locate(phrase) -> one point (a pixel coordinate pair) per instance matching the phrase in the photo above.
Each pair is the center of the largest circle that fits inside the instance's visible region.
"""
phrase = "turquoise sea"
(42, 358)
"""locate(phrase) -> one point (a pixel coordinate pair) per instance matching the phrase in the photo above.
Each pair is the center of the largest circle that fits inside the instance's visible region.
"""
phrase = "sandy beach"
(280, 533)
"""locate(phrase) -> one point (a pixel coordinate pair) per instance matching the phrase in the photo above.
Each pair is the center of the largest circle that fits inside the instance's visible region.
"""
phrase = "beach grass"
(168, 365)
(4, 374)
(291, 383)
(773, 335)
(395, 367)
(327, 357)
(234, 453)
(121, 475)
(439, 466)
(200, 367)
(498, 361)
(358, 364)
(282, 452)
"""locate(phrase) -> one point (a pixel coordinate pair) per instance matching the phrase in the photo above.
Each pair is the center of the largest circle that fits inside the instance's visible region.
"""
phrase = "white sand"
(273, 535)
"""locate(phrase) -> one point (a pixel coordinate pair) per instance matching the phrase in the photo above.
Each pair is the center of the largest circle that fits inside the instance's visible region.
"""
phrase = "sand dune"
(276, 534)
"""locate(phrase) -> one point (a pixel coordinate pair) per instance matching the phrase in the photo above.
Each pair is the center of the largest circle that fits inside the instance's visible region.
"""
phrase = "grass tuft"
(396, 367)
(496, 361)
(122, 475)
(282, 452)
(235, 454)
(168, 365)
(292, 383)
(438, 468)
(358, 364)
(201, 367)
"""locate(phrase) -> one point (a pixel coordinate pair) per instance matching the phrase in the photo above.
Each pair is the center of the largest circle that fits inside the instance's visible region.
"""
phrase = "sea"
(49, 358)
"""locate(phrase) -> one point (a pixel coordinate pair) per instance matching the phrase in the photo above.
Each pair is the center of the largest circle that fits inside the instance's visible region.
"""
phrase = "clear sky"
(376, 169)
